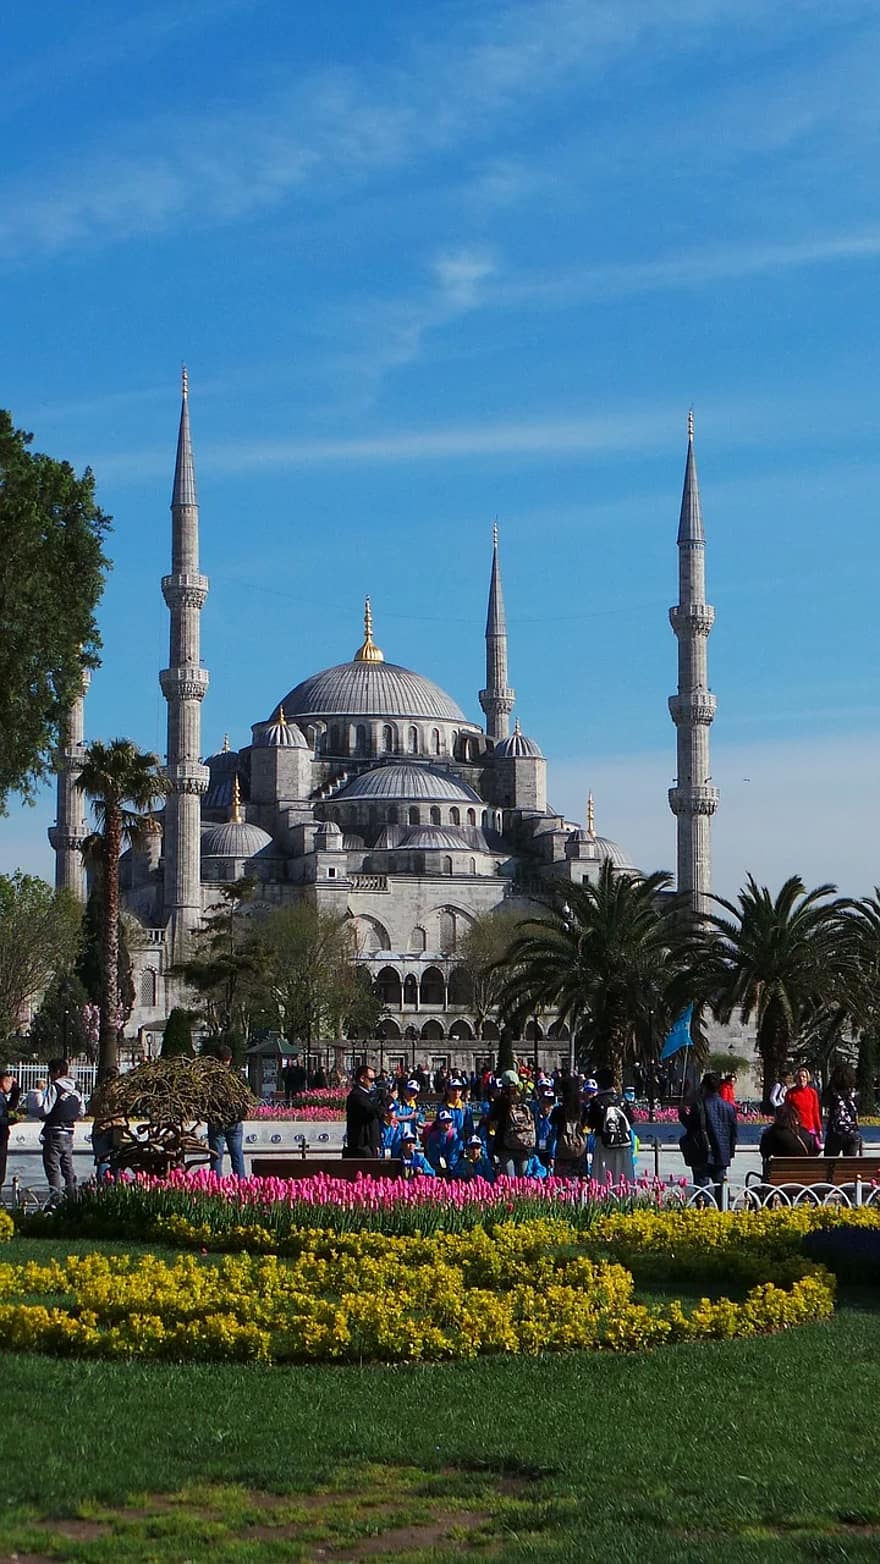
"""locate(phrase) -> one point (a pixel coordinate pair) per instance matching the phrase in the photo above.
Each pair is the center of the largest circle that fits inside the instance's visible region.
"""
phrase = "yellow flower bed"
(526, 1288)
(7, 1227)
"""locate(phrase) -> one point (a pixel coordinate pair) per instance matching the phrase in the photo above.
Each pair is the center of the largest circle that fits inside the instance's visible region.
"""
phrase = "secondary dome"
(416, 783)
(435, 838)
(518, 747)
(234, 839)
(280, 734)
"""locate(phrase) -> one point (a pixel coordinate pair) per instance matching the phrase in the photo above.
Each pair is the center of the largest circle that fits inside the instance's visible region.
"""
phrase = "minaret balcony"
(695, 708)
(187, 776)
(695, 799)
(503, 699)
(692, 618)
(66, 841)
(184, 684)
(185, 589)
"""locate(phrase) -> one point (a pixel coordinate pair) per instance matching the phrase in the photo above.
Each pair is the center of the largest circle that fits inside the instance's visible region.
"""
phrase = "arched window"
(435, 815)
(447, 933)
(473, 865)
(447, 866)
(414, 815)
(485, 818)
(388, 988)
(147, 994)
(413, 741)
(387, 739)
(392, 815)
(360, 739)
(433, 988)
(454, 816)
(417, 941)
(472, 817)
(410, 990)
(435, 740)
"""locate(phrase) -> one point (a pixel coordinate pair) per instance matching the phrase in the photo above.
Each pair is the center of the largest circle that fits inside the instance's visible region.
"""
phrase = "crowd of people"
(563, 1124)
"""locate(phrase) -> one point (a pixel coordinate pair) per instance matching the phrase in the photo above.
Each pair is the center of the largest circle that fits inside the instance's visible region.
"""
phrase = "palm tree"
(863, 1006)
(783, 962)
(123, 784)
(603, 956)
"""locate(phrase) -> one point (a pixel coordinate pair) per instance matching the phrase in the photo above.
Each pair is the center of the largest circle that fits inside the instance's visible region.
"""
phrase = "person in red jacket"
(727, 1089)
(804, 1098)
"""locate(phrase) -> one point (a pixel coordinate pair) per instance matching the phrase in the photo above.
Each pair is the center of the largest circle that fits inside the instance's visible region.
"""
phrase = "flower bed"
(308, 1115)
(527, 1287)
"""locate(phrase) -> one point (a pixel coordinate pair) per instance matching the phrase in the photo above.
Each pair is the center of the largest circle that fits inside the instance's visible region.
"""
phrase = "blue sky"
(430, 264)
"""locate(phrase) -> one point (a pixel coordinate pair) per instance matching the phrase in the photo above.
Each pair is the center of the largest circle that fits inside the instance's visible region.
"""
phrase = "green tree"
(177, 1037)
(59, 1028)
(602, 955)
(222, 965)
(123, 783)
(307, 973)
(52, 569)
(863, 1009)
(784, 962)
(88, 964)
(480, 955)
(39, 931)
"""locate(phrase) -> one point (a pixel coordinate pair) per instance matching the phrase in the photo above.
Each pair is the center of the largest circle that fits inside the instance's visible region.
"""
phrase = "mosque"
(369, 791)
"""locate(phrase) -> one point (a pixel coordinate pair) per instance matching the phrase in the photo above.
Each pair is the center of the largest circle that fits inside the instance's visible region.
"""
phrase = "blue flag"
(680, 1036)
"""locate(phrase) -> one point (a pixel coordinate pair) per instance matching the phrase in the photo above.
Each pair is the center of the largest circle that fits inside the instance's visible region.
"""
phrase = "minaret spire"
(693, 800)
(70, 829)
(184, 684)
(497, 698)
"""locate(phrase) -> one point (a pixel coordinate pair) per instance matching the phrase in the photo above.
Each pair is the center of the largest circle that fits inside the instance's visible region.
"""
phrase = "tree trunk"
(866, 1071)
(616, 1056)
(108, 1046)
(773, 1046)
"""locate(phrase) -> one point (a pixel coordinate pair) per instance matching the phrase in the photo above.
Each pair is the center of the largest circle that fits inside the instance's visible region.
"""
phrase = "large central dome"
(370, 689)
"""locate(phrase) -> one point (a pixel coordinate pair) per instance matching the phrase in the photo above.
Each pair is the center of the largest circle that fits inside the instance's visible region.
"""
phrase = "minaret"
(693, 800)
(497, 698)
(70, 829)
(184, 684)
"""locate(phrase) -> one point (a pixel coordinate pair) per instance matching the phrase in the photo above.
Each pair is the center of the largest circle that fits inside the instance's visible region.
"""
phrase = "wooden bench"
(336, 1167)
(821, 1170)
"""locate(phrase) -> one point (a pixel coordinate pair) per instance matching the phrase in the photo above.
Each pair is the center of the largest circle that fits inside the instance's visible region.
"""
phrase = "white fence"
(30, 1075)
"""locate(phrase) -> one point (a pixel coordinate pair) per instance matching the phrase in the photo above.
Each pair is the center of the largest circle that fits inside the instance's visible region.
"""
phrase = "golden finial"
(184, 381)
(517, 729)
(495, 533)
(591, 815)
(690, 423)
(235, 816)
(368, 653)
(282, 720)
(226, 744)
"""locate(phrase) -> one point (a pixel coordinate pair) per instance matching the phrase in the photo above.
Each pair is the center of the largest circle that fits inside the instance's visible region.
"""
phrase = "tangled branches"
(169, 1097)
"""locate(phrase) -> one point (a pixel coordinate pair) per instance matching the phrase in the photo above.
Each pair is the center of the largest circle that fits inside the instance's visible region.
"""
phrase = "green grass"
(743, 1451)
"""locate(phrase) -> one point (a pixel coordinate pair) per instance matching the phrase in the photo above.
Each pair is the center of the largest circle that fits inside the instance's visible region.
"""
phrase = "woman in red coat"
(804, 1097)
(727, 1089)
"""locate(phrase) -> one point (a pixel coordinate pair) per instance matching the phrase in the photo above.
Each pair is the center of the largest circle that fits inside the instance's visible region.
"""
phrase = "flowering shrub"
(308, 1114)
(528, 1287)
(7, 1227)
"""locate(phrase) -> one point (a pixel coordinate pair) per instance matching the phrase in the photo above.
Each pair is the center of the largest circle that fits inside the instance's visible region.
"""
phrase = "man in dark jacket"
(61, 1106)
(710, 1123)
(363, 1116)
(10, 1094)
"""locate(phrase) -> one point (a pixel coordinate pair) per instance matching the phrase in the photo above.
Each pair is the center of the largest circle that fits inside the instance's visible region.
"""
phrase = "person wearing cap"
(408, 1109)
(442, 1144)
(415, 1163)
(568, 1134)
(512, 1127)
(455, 1103)
(473, 1162)
(389, 1130)
(542, 1107)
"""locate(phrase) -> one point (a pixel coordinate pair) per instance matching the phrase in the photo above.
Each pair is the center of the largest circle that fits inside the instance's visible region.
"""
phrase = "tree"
(783, 961)
(123, 784)
(59, 1027)
(88, 964)
(52, 570)
(223, 964)
(39, 930)
(603, 956)
(863, 929)
(307, 973)
(481, 953)
(177, 1037)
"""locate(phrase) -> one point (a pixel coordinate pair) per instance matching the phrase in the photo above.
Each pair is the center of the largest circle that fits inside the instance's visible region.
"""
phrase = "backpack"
(615, 1130)
(571, 1142)
(519, 1134)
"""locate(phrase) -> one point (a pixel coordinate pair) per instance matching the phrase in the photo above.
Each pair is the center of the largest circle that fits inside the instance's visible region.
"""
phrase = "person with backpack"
(567, 1146)
(512, 1126)
(60, 1108)
(610, 1119)
(709, 1142)
(842, 1137)
(542, 1109)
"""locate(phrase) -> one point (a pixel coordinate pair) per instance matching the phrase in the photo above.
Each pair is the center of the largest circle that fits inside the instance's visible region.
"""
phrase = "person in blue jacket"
(542, 1105)
(454, 1102)
(443, 1145)
(389, 1132)
(408, 1110)
(415, 1163)
(473, 1162)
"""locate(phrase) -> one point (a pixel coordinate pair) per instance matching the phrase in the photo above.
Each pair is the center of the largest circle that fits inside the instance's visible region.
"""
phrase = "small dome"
(599, 848)
(389, 836)
(234, 839)
(328, 829)
(352, 843)
(406, 782)
(518, 747)
(280, 734)
(435, 837)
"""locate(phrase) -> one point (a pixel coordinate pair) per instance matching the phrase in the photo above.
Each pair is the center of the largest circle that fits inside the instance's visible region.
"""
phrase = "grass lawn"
(754, 1450)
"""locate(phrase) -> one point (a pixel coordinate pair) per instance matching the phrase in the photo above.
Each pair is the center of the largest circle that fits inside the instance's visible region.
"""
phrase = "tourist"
(229, 1137)
(727, 1089)
(709, 1142)
(389, 1130)
(363, 1115)
(473, 1162)
(610, 1119)
(60, 1108)
(542, 1108)
(414, 1163)
(786, 1137)
(409, 1111)
(779, 1090)
(454, 1102)
(33, 1099)
(318, 1080)
(512, 1127)
(295, 1079)
(804, 1097)
(10, 1093)
(842, 1136)
(568, 1141)
(443, 1146)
